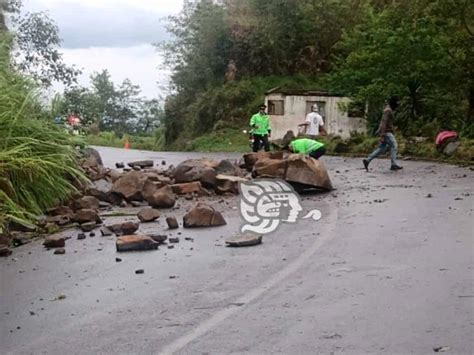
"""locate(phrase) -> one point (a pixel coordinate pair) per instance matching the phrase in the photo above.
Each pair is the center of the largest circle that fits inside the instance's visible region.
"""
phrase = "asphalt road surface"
(386, 270)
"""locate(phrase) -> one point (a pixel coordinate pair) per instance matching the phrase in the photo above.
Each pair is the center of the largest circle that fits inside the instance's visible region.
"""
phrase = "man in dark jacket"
(387, 138)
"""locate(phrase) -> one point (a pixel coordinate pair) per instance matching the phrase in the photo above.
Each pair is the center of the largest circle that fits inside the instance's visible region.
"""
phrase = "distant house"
(287, 109)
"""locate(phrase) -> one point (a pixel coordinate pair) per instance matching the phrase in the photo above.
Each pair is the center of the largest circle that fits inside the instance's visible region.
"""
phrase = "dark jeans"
(316, 154)
(257, 139)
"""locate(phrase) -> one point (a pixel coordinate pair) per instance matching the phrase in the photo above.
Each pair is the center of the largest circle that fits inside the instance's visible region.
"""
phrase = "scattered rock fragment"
(244, 240)
(228, 184)
(159, 238)
(81, 236)
(162, 198)
(148, 214)
(129, 227)
(141, 164)
(139, 271)
(105, 232)
(86, 202)
(88, 226)
(91, 234)
(54, 241)
(135, 243)
(173, 240)
(87, 215)
(172, 222)
(186, 188)
(119, 165)
(60, 251)
(117, 260)
(203, 215)
(4, 250)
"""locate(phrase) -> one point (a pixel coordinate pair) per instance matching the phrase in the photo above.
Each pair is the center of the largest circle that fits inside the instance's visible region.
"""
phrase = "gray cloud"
(121, 26)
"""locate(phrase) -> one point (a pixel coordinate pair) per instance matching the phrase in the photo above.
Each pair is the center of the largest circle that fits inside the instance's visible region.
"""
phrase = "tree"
(37, 45)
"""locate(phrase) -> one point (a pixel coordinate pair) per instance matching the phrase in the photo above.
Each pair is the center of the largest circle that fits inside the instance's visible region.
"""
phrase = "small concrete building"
(287, 109)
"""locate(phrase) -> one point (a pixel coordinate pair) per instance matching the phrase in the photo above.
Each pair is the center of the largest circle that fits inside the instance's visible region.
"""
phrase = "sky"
(116, 35)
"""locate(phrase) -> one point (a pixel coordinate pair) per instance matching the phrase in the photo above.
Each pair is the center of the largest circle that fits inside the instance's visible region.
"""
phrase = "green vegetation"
(37, 160)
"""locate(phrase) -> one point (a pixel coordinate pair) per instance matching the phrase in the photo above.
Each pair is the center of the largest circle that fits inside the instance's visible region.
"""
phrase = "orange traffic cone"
(127, 144)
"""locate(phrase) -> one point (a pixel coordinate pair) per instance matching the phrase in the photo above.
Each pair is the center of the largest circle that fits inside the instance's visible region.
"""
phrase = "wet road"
(386, 270)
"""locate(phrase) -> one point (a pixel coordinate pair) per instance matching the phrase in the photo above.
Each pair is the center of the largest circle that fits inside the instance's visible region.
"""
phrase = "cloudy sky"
(114, 35)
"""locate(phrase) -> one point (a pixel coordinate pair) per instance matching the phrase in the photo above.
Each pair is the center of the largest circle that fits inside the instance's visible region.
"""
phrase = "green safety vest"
(305, 145)
(263, 123)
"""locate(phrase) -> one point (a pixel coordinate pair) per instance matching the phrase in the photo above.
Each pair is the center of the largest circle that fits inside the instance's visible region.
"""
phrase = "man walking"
(387, 139)
(313, 123)
(260, 123)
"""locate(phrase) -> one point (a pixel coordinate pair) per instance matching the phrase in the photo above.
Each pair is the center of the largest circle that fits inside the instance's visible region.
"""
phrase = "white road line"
(220, 316)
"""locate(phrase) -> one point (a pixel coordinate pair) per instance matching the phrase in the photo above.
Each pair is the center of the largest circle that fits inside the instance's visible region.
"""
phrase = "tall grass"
(38, 161)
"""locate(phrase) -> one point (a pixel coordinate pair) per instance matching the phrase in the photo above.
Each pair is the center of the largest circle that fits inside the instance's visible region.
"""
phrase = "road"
(387, 270)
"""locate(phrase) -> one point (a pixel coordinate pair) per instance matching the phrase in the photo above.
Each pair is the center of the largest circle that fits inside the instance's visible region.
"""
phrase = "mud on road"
(387, 269)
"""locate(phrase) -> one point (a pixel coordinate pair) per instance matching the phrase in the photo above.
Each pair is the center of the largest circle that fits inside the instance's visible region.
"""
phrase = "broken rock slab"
(203, 215)
(244, 240)
(148, 214)
(87, 215)
(135, 243)
(124, 228)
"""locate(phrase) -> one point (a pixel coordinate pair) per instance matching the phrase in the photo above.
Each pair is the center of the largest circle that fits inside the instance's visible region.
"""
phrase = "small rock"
(91, 234)
(119, 165)
(159, 238)
(429, 196)
(141, 163)
(173, 240)
(139, 271)
(54, 242)
(60, 251)
(244, 240)
(129, 227)
(172, 222)
(170, 246)
(441, 349)
(135, 243)
(163, 162)
(148, 214)
(203, 215)
(4, 250)
(117, 260)
(88, 226)
(105, 232)
(458, 199)
(81, 236)
(136, 168)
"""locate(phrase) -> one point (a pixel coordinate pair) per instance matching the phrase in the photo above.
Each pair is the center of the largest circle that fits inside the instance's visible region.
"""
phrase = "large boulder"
(135, 243)
(307, 172)
(196, 170)
(91, 157)
(251, 158)
(302, 171)
(162, 198)
(203, 215)
(130, 186)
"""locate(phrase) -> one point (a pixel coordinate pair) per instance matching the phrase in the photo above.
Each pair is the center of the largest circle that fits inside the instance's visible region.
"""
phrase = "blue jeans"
(389, 141)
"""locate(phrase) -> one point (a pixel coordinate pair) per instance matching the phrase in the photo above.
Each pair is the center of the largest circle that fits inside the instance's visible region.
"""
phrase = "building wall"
(336, 122)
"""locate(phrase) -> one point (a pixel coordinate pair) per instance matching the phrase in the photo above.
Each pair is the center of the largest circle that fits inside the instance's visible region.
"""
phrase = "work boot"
(396, 167)
(366, 164)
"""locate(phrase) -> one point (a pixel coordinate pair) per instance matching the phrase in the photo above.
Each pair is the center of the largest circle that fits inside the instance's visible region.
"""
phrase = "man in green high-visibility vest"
(308, 146)
(260, 123)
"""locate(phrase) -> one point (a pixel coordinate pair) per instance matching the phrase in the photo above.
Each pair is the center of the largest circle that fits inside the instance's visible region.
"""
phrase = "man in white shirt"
(313, 124)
